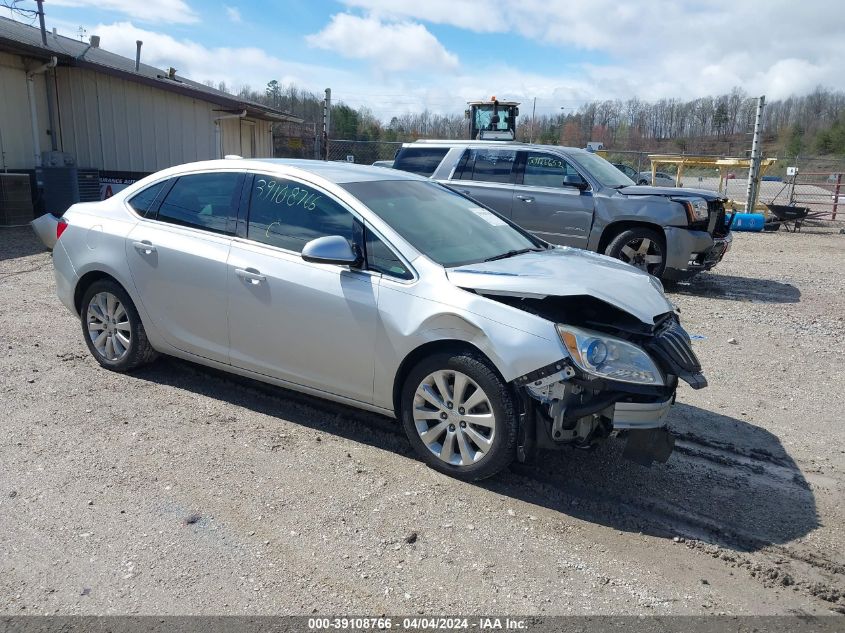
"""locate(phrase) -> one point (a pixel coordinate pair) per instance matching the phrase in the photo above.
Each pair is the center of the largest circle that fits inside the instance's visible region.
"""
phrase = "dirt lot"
(180, 490)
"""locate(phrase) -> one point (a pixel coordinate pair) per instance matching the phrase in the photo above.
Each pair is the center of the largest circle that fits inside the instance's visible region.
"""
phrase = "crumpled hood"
(565, 272)
(646, 190)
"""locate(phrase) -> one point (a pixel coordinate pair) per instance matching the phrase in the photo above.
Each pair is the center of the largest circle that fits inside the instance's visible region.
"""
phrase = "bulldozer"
(492, 120)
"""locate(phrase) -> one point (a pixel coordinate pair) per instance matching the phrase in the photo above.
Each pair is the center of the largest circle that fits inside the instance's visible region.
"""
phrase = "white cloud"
(390, 46)
(236, 66)
(233, 14)
(645, 57)
(662, 48)
(169, 11)
(475, 15)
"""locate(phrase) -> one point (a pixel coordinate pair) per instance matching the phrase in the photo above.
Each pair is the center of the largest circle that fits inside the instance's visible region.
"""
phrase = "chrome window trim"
(482, 183)
(176, 176)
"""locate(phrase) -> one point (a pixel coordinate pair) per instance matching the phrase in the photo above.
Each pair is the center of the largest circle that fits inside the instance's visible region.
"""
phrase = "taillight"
(60, 228)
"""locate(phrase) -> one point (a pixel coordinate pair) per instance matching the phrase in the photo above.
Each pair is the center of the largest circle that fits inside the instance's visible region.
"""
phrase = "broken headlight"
(697, 208)
(609, 357)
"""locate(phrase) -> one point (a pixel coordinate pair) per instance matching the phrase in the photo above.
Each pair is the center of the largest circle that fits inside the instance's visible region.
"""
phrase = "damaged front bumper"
(563, 405)
(641, 415)
(562, 409)
(691, 252)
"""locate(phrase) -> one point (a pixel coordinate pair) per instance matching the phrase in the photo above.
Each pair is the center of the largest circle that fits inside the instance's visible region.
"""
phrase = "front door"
(543, 205)
(178, 262)
(309, 324)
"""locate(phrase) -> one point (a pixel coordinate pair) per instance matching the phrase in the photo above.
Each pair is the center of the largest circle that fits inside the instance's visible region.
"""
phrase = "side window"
(143, 201)
(290, 214)
(546, 170)
(383, 260)
(487, 165)
(419, 160)
(204, 201)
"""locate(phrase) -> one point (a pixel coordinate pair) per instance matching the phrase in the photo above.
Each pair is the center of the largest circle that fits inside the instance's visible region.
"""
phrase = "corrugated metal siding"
(235, 137)
(16, 150)
(112, 124)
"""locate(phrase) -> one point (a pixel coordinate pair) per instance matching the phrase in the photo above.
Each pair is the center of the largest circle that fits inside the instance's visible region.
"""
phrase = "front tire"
(459, 416)
(640, 247)
(112, 327)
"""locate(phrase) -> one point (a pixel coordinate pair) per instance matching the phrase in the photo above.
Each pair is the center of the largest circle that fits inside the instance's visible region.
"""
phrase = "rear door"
(545, 206)
(310, 324)
(177, 258)
(488, 175)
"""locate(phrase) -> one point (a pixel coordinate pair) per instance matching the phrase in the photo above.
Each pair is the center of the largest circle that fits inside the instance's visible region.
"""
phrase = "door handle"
(252, 276)
(526, 198)
(145, 247)
(464, 191)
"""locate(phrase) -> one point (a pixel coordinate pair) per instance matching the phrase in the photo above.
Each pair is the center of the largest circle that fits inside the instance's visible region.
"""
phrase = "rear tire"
(641, 247)
(112, 328)
(468, 432)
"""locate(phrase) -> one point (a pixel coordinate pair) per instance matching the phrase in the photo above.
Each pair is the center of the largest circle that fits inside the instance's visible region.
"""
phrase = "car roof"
(478, 144)
(337, 172)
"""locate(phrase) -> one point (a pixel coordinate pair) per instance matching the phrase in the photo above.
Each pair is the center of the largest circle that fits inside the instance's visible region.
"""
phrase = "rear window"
(419, 160)
(204, 201)
(487, 165)
(143, 202)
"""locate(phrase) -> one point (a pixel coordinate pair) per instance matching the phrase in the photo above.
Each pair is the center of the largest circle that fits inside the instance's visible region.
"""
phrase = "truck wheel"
(640, 247)
(459, 416)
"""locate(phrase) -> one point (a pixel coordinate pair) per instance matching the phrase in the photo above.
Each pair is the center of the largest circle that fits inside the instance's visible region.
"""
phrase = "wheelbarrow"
(786, 214)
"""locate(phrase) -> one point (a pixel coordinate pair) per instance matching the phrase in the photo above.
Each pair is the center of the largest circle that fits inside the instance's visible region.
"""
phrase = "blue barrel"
(746, 221)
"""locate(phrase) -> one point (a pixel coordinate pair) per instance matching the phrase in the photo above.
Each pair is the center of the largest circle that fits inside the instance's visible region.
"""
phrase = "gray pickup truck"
(576, 198)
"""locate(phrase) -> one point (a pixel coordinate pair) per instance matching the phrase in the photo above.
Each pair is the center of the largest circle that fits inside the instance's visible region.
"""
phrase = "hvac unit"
(64, 186)
(57, 159)
(15, 199)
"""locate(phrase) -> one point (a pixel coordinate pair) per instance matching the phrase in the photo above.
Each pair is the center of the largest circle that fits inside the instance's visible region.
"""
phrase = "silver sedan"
(385, 291)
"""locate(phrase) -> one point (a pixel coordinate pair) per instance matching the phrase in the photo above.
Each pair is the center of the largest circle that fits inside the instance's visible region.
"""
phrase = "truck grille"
(717, 208)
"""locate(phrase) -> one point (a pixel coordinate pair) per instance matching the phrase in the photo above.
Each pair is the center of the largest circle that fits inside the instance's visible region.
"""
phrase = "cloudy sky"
(400, 55)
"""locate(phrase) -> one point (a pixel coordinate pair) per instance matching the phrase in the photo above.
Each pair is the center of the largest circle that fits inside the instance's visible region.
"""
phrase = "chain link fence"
(362, 152)
(296, 140)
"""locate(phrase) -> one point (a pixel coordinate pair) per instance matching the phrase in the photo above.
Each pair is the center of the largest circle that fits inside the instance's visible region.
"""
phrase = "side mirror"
(331, 249)
(575, 180)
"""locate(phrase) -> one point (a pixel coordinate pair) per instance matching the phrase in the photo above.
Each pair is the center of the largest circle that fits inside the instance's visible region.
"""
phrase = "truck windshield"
(603, 171)
(443, 225)
(484, 118)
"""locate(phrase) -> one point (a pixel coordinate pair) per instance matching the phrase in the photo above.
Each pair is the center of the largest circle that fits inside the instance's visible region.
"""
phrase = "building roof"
(22, 39)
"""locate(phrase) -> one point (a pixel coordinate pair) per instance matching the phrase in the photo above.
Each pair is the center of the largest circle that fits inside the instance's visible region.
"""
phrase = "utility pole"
(327, 121)
(40, 4)
(533, 118)
(756, 155)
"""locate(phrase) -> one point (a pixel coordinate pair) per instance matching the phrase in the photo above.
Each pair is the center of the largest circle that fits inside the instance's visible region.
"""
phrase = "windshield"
(443, 225)
(484, 118)
(603, 171)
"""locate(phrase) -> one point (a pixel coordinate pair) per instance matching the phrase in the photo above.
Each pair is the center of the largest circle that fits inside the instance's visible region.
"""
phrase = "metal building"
(75, 115)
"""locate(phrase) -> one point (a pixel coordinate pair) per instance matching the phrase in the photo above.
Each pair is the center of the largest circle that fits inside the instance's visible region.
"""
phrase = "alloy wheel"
(108, 326)
(454, 417)
(644, 253)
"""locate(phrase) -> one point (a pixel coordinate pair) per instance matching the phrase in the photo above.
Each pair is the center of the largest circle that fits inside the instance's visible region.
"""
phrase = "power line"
(14, 10)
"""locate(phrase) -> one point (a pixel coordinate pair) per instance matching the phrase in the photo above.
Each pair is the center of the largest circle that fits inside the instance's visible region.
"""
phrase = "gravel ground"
(178, 490)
